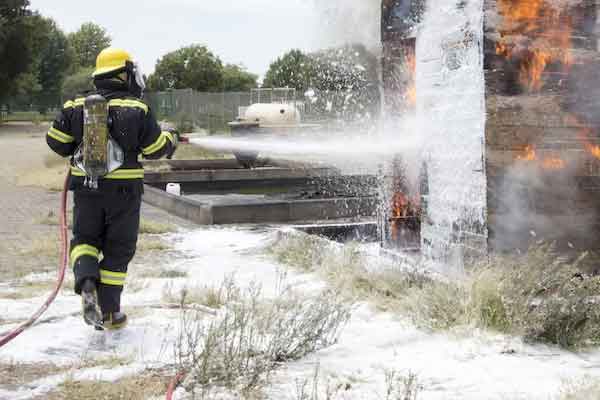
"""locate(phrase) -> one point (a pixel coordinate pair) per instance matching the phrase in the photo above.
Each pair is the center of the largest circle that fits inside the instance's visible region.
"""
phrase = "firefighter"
(106, 214)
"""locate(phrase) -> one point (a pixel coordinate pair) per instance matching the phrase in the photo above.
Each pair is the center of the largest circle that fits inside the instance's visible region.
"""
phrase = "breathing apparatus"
(99, 154)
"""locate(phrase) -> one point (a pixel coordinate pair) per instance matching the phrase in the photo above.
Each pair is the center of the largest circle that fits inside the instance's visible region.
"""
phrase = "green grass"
(26, 116)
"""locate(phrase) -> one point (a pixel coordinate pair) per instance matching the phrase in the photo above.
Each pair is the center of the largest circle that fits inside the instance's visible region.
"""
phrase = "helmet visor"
(139, 76)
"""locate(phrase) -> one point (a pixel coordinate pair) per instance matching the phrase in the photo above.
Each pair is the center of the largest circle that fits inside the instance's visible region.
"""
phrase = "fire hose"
(10, 335)
(64, 257)
(173, 384)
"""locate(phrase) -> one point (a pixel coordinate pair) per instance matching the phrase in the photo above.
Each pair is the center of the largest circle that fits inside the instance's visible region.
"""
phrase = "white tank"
(273, 115)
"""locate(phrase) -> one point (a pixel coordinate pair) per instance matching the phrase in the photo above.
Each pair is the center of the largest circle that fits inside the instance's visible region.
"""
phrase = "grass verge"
(348, 270)
(14, 373)
(148, 226)
(536, 295)
(50, 177)
(29, 116)
(584, 389)
(139, 387)
(187, 151)
(147, 243)
(398, 386)
(204, 295)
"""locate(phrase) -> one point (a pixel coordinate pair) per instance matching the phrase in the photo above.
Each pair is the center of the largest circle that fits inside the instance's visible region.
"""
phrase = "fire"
(403, 207)
(594, 150)
(400, 205)
(551, 28)
(548, 162)
(553, 163)
(411, 95)
(411, 67)
(528, 154)
(584, 134)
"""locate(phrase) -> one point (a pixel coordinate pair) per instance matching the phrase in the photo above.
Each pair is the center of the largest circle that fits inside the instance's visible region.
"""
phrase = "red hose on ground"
(64, 259)
(173, 384)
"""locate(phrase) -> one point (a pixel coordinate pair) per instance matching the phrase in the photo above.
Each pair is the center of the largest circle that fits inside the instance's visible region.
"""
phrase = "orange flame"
(553, 163)
(411, 66)
(402, 207)
(584, 134)
(528, 154)
(550, 162)
(411, 95)
(594, 150)
(550, 29)
(399, 205)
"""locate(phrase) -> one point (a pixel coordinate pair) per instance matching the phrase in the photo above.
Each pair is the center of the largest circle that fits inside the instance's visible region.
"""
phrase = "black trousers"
(105, 231)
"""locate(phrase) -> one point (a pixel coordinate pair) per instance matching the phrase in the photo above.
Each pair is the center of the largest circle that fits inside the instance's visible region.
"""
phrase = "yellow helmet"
(111, 59)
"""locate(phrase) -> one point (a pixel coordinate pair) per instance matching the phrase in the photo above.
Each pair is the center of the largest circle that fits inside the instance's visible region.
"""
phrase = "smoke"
(348, 21)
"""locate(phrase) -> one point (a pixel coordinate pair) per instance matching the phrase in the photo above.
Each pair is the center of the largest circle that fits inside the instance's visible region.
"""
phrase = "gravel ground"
(24, 207)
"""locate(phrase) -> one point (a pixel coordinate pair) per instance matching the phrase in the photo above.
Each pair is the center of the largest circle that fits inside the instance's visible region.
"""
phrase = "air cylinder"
(95, 136)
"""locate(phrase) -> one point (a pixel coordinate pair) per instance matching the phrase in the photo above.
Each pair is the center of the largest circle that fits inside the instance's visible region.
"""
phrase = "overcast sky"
(248, 32)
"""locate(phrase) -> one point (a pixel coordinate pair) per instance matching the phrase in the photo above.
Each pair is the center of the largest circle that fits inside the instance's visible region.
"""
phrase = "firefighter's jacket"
(133, 126)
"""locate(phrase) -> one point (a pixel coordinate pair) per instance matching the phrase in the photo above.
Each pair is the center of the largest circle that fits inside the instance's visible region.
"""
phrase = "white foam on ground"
(472, 366)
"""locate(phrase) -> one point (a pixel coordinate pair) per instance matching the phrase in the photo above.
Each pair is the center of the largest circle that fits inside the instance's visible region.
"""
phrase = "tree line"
(41, 65)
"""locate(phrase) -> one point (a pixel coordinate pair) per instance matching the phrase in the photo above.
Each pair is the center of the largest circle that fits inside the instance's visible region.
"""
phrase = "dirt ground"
(31, 177)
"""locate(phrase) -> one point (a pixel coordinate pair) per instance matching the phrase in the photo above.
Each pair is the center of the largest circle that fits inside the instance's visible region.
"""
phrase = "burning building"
(505, 94)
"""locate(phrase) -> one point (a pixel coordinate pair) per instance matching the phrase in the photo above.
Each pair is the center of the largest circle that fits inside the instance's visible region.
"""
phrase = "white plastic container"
(174, 188)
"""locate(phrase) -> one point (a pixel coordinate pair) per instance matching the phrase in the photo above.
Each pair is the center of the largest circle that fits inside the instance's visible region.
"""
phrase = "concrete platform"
(226, 163)
(344, 231)
(240, 209)
(262, 180)
(238, 175)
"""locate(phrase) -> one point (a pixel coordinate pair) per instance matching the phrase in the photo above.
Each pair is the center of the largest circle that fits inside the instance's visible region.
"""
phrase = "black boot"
(114, 321)
(89, 303)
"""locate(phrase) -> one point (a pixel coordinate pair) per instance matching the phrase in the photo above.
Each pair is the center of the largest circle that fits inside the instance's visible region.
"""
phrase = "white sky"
(248, 32)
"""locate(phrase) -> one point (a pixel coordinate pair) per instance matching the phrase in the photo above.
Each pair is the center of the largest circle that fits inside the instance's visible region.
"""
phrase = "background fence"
(191, 110)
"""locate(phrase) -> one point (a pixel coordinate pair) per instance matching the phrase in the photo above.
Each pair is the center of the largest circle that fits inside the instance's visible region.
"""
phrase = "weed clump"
(537, 294)
(349, 270)
(252, 336)
(542, 296)
(584, 389)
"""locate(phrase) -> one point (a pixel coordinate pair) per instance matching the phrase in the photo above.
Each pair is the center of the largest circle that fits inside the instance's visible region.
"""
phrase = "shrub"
(536, 294)
(253, 336)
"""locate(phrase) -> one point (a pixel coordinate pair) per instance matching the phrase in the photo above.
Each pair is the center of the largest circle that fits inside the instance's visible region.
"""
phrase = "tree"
(78, 84)
(237, 79)
(192, 67)
(294, 69)
(87, 43)
(53, 58)
(15, 44)
(41, 83)
(56, 58)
